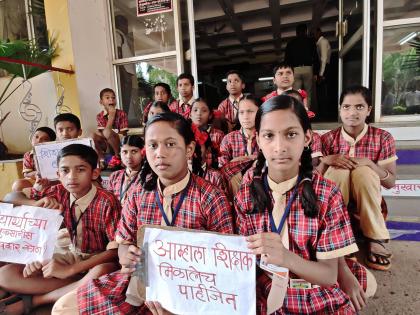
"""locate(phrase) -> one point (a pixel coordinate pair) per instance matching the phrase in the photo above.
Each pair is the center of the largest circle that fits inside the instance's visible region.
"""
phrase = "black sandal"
(390, 255)
(378, 265)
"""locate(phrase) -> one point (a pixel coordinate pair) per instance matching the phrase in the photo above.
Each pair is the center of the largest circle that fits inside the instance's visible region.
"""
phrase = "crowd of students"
(249, 168)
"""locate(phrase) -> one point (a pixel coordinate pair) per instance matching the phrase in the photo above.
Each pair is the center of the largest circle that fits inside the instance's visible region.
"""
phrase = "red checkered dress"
(377, 144)
(120, 121)
(99, 220)
(328, 232)
(316, 145)
(234, 145)
(216, 178)
(116, 181)
(227, 109)
(184, 109)
(216, 137)
(205, 208)
(28, 162)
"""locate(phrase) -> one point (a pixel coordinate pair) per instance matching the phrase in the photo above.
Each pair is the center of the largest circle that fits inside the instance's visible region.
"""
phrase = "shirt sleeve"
(225, 155)
(100, 121)
(218, 212)
(28, 163)
(127, 226)
(316, 145)
(123, 123)
(323, 45)
(52, 191)
(335, 234)
(111, 222)
(388, 152)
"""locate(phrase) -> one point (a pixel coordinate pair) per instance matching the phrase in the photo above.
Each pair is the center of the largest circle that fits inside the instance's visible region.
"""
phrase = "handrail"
(38, 65)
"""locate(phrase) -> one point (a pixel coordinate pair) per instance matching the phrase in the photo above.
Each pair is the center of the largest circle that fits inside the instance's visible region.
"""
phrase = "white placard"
(27, 233)
(403, 188)
(46, 155)
(200, 273)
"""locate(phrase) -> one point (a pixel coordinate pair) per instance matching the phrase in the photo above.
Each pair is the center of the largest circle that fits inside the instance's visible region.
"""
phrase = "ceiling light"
(265, 79)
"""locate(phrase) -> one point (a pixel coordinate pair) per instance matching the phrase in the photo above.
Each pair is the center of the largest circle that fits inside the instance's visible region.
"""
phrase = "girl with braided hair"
(294, 218)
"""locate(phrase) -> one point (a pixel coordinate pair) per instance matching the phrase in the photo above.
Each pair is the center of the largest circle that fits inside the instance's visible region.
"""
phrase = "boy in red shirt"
(111, 123)
(185, 86)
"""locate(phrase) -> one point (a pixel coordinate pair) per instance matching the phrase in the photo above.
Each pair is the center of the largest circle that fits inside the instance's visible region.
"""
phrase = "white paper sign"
(200, 273)
(403, 188)
(27, 233)
(46, 155)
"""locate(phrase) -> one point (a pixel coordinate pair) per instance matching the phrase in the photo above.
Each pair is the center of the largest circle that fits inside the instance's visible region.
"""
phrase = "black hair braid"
(197, 162)
(309, 198)
(260, 197)
(148, 178)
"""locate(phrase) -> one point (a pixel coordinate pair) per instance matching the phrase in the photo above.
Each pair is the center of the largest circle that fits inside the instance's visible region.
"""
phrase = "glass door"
(353, 30)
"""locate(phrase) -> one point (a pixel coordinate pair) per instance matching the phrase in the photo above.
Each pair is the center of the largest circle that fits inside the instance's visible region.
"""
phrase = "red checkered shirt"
(373, 143)
(216, 137)
(216, 178)
(205, 207)
(229, 111)
(275, 93)
(234, 145)
(181, 108)
(116, 181)
(28, 162)
(120, 122)
(316, 145)
(99, 220)
(327, 235)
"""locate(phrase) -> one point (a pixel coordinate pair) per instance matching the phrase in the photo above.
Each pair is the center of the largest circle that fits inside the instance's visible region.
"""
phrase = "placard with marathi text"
(27, 233)
(46, 155)
(198, 272)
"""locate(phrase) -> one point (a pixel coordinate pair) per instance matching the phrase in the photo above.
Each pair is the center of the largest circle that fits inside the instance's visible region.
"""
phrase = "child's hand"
(270, 247)
(339, 161)
(54, 269)
(111, 110)
(32, 269)
(349, 284)
(50, 203)
(41, 183)
(129, 259)
(156, 308)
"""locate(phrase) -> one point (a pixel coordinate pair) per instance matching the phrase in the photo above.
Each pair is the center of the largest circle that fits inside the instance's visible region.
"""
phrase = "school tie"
(235, 107)
(279, 195)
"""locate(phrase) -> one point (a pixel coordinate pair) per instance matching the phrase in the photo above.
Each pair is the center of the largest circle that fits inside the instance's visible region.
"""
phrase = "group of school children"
(249, 168)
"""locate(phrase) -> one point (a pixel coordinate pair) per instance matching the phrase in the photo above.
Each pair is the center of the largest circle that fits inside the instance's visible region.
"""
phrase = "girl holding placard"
(295, 219)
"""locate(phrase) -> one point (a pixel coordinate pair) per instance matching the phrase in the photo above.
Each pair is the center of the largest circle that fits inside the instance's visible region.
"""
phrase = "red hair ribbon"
(199, 136)
(217, 114)
(303, 93)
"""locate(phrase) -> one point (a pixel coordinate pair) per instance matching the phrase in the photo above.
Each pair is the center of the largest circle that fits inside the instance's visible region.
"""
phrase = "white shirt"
(324, 53)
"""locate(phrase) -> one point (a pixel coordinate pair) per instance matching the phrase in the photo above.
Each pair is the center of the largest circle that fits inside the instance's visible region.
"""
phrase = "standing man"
(301, 54)
(324, 55)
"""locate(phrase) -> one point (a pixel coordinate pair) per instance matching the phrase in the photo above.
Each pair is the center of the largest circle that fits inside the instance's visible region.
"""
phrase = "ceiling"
(254, 31)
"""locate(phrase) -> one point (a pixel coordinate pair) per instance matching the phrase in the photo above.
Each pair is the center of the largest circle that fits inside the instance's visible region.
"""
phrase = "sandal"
(378, 265)
(390, 255)
(26, 300)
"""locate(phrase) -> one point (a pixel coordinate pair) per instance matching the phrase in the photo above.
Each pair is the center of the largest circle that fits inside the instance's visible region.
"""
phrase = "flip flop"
(26, 299)
(390, 255)
(377, 265)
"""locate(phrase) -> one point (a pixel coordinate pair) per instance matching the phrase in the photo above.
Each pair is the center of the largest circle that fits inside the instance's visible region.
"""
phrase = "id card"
(279, 285)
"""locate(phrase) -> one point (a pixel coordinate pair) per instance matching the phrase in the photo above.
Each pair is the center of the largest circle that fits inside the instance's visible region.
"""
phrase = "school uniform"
(28, 162)
(146, 111)
(204, 207)
(90, 221)
(362, 184)
(122, 183)
(302, 93)
(215, 178)
(229, 108)
(316, 145)
(233, 172)
(216, 136)
(181, 107)
(327, 236)
(236, 144)
(120, 122)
